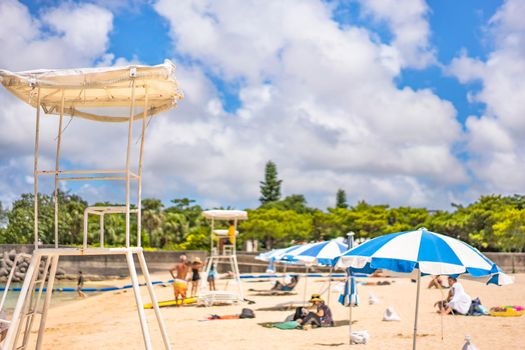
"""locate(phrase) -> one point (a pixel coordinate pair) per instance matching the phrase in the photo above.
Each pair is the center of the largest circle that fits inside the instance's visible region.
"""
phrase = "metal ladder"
(29, 303)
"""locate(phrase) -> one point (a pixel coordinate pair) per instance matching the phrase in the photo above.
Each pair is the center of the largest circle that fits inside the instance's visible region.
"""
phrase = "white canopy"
(225, 214)
(101, 94)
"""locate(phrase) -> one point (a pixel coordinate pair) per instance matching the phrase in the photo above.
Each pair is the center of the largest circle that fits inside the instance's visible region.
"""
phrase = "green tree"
(271, 186)
(340, 200)
(152, 218)
(295, 202)
(276, 227)
(510, 230)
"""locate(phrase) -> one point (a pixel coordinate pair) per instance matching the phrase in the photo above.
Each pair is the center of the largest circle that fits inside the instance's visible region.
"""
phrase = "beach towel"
(286, 325)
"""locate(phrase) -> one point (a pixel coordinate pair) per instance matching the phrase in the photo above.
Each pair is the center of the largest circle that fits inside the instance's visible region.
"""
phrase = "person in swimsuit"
(196, 266)
(179, 272)
(211, 277)
(80, 285)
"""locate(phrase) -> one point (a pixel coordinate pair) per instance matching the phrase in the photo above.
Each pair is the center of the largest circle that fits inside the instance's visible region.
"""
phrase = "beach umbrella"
(423, 252)
(321, 253)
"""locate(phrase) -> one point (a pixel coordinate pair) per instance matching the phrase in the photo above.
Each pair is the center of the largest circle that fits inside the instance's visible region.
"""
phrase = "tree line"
(492, 223)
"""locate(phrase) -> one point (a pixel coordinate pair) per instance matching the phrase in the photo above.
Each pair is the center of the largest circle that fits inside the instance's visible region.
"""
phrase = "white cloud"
(407, 20)
(316, 98)
(496, 137)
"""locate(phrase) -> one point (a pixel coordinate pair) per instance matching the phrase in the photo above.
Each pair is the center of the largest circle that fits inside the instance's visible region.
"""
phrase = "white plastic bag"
(372, 299)
(359, 337)
(468, 345)
(391, 315)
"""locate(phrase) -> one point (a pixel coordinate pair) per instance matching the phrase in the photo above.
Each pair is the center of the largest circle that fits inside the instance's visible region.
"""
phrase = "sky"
(400, 102)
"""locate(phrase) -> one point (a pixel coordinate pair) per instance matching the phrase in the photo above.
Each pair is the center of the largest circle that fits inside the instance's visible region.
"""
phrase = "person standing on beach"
(211, 277)
(179, 272)
(80, 285)
(196, 266)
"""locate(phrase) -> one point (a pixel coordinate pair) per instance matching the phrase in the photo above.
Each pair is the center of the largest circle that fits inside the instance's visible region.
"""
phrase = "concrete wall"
(509, 262)
(161, 261)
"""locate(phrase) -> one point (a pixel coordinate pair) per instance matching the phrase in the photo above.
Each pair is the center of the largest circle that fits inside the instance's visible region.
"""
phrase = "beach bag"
(468, 345)
(359, 337)
(391, 315)
(247, 313)
(286, 325)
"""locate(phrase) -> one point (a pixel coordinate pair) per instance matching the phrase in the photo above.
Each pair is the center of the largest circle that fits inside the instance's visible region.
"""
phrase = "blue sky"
(246, 76)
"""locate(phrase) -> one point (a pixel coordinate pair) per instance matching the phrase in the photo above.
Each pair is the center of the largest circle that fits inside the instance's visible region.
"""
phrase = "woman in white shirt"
(458, 302)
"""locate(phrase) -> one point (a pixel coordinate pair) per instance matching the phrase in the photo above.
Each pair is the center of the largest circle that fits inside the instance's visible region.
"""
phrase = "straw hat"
(197, 260)
(316, 297)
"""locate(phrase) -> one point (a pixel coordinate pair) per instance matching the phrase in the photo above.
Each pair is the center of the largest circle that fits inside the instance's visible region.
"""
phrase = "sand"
(110, 321)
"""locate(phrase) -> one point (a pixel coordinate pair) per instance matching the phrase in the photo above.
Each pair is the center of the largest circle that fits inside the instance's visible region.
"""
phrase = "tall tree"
(152, 216)
(271, 186)
(340, 200)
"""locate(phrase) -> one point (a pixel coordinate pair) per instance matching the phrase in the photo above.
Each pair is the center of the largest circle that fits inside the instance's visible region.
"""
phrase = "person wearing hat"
(321, 318)
(196, 265)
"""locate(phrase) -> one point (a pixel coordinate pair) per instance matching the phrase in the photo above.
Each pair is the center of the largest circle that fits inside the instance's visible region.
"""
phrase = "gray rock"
(8, 262)
(12, 254)
(3, 272)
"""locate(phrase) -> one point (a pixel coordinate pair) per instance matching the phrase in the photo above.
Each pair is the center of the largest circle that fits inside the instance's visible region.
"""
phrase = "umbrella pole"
(349, 312)
(440, 313)
(417, 309)
(305, 283)
(329, 286)
(350, 323)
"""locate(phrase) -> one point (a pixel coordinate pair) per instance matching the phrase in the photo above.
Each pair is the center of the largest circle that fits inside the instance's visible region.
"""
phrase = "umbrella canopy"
(278, 254)
(431, 253)
(101, 94)
(322, 253)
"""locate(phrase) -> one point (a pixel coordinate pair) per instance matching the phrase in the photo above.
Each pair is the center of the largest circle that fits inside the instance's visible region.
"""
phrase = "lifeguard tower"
(108, 95)
(223, 251)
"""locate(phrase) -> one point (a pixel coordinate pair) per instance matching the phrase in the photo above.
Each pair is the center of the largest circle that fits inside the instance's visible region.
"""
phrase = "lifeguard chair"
(223, 253)
(110, 95)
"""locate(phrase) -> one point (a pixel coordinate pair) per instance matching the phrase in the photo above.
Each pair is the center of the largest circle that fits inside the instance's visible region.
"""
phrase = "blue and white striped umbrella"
(431, 253)
(276, 254)
(349, 295)
(321, 253)
(422, 251)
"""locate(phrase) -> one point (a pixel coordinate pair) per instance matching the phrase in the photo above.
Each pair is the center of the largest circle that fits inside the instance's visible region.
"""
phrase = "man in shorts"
(179, 272)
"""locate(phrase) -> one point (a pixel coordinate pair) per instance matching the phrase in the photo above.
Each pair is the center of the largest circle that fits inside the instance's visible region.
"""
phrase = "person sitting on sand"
(321, 318)
(180, 285)
(436, 282)
(458, 302)
(80, 285)
(196, 266)
(286, 287)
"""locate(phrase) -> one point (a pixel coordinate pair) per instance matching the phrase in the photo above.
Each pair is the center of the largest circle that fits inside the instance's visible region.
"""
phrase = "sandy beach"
(110, 321)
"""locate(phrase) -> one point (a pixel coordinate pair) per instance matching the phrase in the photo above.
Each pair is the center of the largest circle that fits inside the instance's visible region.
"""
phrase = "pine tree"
(271, 186)
(340, 201)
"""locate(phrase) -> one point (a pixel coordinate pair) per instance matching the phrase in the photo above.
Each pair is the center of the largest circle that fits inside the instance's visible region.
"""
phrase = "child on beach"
(80, 285)
(211, 277)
